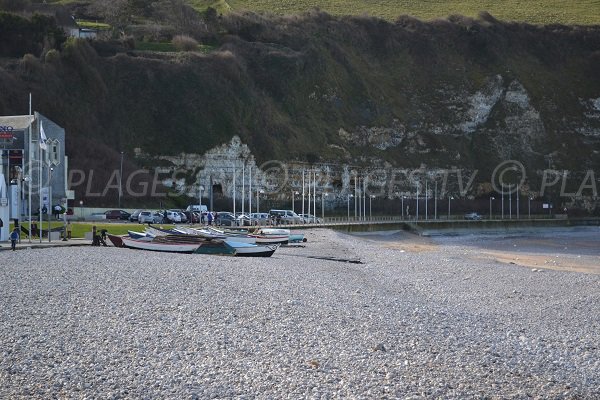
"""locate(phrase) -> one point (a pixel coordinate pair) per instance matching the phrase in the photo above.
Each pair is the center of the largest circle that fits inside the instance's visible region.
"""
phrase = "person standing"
(14, 238)
(209, 217)
(1, 225)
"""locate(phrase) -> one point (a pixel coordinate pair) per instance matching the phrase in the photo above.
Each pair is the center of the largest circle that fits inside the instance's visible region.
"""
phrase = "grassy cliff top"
(585, 12)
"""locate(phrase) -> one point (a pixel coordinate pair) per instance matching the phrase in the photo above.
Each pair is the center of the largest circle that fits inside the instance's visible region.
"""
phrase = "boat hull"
(162, 247)
(253, 250)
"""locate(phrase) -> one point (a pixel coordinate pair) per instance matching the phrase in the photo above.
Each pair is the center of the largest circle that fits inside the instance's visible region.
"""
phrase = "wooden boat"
(117, 241)
(271, 239)
(159, 245)
(253, 250)
(175, 244)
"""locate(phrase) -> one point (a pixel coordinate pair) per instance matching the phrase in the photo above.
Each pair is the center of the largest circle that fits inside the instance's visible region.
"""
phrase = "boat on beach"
(186, 243)
(253, 250)
(158, 245)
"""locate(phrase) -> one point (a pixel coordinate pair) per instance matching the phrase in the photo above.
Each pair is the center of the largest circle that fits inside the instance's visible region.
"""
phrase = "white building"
(22, 192)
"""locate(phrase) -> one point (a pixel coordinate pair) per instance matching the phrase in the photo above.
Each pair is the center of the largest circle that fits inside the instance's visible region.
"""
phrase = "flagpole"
(40, 178)
(243, 185)
(309, 174)
(250, 188)
(315, 195)
(303, 192)
(29, 183)
(233, 188)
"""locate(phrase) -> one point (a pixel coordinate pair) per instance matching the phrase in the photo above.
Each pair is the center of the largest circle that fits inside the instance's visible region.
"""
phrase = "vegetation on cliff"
(317, 87)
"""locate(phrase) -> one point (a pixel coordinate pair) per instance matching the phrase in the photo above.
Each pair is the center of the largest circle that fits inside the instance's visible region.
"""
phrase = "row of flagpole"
(42, 146)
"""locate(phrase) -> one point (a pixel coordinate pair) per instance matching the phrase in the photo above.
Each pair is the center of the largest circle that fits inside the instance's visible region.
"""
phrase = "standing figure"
(14, 238)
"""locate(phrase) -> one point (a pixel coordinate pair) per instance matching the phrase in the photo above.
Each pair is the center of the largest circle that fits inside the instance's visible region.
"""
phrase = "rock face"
(500, 113)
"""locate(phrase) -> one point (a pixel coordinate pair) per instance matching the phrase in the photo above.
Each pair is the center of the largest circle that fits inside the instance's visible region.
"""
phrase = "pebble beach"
(340, 317)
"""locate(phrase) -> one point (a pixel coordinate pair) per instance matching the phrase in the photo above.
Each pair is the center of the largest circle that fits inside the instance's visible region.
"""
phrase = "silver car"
(150, 217)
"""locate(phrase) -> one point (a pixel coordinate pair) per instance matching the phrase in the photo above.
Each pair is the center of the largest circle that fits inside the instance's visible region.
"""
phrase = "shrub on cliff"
(184, 43)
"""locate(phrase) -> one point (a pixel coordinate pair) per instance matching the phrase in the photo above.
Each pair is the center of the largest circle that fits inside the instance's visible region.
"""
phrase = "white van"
(285, 216)
(197, 208)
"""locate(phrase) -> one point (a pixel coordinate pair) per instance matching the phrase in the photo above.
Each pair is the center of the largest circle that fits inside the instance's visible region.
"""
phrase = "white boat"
(253, 250)
(271, 239)
(273, 231)
(159, 246)
(231, 236)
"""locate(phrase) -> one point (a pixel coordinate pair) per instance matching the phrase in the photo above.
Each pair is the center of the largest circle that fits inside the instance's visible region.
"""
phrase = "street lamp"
(50, 207)
(491, 198)
(529, 206)
(371, 197)
(294, 194)
(417, 211)
(121, 180)
(349, 195)
(402, 200)
(81, 209)
(323, 206)
(258, 192)
(449, 198)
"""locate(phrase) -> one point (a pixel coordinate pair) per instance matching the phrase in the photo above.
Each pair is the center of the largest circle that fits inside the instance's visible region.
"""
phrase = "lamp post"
(449, 198)
(349, 195)
(491, 199)
(426, 201)
(258, 192)
(371, 197)
(50, 207)
(417, 213)
(323, 206)
(121, 180)
(510, 201)
(294, 194)
(81, 209)
(27, 180)
(402, 202)
(529, 206)
(200, 190)
(435, 201)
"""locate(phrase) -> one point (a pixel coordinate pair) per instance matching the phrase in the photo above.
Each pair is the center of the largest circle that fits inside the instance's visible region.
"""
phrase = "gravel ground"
(114, 323)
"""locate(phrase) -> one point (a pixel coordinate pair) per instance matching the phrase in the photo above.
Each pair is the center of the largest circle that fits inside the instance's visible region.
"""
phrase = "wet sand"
(572, 249)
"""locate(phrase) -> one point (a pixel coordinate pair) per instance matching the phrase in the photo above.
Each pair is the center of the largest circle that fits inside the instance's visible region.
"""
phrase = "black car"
(117, 214)
(225, 218)
(473, 216)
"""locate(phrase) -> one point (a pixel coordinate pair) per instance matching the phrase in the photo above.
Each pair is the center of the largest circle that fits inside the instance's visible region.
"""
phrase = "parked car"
(310, 219)
(243, 219)
(173, 216)
(197, 208)
(285, 217)
(117, 214)
(150, 217)
(225, 219)
(183, 217)
(192, 217)
(473, 216)
(134, 217)
(260, 218)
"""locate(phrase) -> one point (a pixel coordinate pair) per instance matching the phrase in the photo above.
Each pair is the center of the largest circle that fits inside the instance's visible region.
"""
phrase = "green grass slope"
(585, 12)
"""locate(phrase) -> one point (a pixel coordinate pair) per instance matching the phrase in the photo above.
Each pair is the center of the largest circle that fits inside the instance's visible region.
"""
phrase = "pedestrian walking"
(14, 238)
